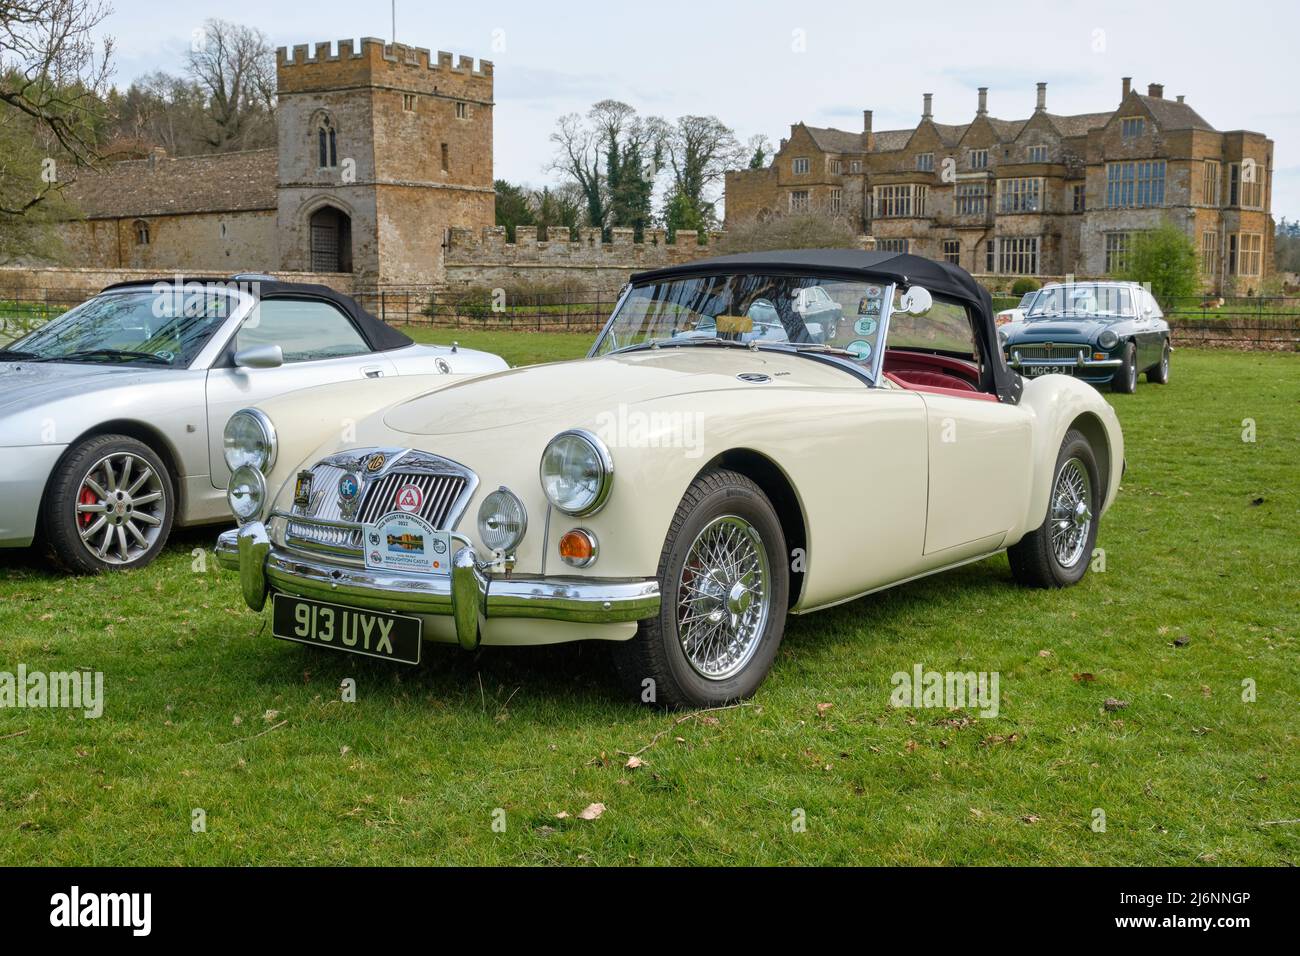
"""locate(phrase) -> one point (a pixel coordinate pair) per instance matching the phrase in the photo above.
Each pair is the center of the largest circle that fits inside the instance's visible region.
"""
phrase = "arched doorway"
(331, 240)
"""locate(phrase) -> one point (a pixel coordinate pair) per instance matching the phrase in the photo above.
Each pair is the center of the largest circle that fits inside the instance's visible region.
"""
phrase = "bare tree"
(700, 150)
(578, 158)
(52, 77)
(235, 67)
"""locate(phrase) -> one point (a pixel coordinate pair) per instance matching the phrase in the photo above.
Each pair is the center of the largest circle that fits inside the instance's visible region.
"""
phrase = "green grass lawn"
(205, 711)
(517, 348)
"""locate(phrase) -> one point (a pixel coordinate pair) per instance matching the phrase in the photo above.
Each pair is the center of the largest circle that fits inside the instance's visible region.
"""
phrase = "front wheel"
(1159, 375)
(724, 578)
(108, 507)
(1057, 552)
(1126, 378)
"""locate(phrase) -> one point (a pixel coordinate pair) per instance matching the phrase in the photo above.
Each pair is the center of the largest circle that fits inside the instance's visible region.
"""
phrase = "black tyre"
(109, 506)
(1057, 552)
(1158, 374)
(1126, 376)
(725, 578)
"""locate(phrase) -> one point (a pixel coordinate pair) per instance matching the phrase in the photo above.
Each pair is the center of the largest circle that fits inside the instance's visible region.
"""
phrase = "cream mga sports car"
(675, 493)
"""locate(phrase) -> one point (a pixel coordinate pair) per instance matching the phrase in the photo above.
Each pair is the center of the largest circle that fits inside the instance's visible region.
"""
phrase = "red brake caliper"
(87, 497)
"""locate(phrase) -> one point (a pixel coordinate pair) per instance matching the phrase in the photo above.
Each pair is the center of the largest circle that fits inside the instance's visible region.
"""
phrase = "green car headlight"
(1108, 339)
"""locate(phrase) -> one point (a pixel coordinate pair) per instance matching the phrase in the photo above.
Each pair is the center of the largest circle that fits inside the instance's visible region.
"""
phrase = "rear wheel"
(724, 578)
(1057, 552)
(1126, 377)
(109, 506)
(1159, 374)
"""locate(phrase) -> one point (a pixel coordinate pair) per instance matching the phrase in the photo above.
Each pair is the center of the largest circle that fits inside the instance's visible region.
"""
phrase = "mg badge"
(1049, 346)
(349, 492)
(302, 491)
(375, 462)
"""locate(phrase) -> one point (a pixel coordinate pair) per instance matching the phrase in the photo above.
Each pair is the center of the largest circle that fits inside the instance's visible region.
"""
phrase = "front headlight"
(250, 440)
(1108, 339)
(577, 472)
(246, 493)
(502, 521)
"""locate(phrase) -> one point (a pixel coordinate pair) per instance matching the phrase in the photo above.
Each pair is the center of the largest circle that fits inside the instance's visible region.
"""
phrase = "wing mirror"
(260, 356)
(916, 301)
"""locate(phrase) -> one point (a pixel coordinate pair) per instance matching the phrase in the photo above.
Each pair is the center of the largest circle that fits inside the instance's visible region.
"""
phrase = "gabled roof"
(161, 186)
(1171, 114)
(950, 135)
(890, 140)
(1080, 123)
(836, 140)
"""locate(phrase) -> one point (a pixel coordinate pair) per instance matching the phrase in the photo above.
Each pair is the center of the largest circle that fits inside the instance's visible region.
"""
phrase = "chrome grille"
(323, 535)
(439, 494)
(1038, 352)
(325, 492)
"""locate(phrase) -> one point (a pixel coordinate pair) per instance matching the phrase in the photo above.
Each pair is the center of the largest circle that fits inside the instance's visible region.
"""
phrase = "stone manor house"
(1047, 195)
(382, 150)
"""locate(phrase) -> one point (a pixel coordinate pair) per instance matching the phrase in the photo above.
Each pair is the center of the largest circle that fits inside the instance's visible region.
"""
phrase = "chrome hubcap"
(723, 598)
(1071, 513)
(120, 508)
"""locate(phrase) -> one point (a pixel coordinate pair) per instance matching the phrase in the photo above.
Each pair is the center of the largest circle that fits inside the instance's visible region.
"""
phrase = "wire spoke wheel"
(120, 508)
(1071, 513)
(723, 597)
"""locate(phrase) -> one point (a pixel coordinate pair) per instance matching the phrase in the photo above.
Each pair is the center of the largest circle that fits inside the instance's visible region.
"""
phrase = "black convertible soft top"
(939, 278)
(380, 336)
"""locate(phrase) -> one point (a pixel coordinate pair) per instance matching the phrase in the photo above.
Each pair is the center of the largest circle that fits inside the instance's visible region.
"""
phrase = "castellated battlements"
(371, 61)
(486, 257)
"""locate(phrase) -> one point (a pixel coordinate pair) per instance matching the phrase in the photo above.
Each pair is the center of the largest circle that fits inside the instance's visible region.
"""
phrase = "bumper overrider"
(468, 595)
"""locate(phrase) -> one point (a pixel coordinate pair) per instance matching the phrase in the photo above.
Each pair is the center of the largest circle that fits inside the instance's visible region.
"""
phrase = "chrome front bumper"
(466, 595)
(1015, 361)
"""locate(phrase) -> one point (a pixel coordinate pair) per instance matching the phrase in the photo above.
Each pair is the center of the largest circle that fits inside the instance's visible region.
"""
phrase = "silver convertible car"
(112, 416)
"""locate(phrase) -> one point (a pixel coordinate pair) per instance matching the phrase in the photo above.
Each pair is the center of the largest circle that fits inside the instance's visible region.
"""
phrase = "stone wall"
(485, 259)
(242, 241)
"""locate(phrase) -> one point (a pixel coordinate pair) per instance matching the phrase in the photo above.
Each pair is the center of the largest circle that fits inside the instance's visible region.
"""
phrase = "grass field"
(205, 711)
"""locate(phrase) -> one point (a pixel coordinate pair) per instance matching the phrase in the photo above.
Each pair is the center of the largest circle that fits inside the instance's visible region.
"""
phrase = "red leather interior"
(940, 374)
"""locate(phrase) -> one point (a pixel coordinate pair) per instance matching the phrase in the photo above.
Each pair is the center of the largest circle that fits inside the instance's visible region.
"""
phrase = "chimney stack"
(1180, 97)
(1128, 85)
(1156, 91)
(1042, 99)
(866, 122)
(925, 113)
(984, 102)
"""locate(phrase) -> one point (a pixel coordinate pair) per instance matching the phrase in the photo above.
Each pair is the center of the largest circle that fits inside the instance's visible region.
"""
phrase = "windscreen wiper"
(127, 354)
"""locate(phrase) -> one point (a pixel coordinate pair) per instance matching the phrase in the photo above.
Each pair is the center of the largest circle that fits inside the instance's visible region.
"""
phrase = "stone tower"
(382, 150)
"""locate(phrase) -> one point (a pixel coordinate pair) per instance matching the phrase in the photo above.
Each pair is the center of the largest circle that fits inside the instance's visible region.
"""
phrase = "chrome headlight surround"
(246, 493)
(577, 458)
(249, 439)
(502, 521)
(1108, 339)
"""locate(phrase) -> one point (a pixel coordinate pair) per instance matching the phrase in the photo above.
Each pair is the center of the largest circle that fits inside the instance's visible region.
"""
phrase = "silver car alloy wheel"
(723, 597)
(1133, 374)
(1071, 513)
(120, 506)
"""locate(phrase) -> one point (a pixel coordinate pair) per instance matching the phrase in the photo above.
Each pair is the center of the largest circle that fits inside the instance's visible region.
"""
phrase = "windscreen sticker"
(398, 541)
(860, 348)
(869, 305)
(865, 326)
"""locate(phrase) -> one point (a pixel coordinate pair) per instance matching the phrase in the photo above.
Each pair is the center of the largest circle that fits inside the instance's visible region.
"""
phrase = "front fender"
(1058, 403)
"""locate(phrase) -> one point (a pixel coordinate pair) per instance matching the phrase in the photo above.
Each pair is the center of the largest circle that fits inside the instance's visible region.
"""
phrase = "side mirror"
(916, 301)
(260, 356)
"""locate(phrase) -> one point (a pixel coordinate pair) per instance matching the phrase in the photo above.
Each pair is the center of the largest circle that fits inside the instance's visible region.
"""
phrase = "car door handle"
(372, 371)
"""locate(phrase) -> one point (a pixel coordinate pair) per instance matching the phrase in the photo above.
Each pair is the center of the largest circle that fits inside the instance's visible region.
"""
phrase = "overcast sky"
(760, 66)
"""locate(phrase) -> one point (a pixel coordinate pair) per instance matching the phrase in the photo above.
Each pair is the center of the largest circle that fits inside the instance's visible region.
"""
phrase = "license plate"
(391, 637)
(1032, 371)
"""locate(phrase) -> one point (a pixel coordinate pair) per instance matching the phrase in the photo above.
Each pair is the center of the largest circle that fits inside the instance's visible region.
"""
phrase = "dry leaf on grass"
(1113, 704)
(633, 763)
(592, 812)
(1084, 678)
(823, 708)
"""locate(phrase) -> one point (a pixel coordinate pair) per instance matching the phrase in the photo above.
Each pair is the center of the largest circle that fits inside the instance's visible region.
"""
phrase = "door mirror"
(260, 356)
(916, 301)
